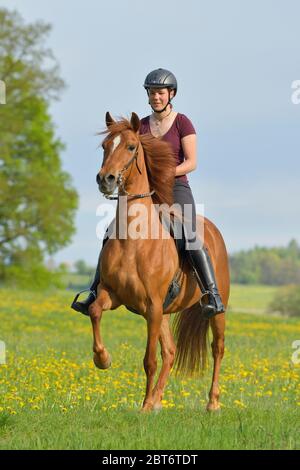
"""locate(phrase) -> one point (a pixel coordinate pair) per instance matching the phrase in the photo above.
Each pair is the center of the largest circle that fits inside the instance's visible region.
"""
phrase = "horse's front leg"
(168, 349)
(154, 321)
(104, 301)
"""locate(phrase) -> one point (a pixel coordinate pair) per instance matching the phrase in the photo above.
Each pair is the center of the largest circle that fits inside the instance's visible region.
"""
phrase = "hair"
(159, 159)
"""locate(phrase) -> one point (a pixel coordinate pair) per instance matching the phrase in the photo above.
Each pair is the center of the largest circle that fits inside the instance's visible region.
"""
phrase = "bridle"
(121, 182)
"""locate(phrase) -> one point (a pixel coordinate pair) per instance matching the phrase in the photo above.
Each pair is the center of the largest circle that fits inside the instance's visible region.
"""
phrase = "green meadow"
(52, 396)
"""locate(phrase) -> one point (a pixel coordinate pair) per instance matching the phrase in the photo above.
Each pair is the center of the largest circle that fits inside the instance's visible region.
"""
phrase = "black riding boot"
(82, 306)
(206, 279)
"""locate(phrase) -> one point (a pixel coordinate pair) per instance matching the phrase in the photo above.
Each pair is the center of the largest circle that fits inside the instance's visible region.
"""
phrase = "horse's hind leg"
(217, 324)
(168, 349)
(104, 301)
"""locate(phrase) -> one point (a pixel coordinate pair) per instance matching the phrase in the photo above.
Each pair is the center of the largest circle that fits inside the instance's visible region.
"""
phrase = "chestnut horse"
(137, 272)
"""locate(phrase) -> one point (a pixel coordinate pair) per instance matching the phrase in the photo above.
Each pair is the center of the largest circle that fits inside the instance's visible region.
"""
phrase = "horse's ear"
(135, 122)
(109, 120)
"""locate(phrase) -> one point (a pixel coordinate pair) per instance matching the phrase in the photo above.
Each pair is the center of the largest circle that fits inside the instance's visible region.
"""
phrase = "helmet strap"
(162, 110)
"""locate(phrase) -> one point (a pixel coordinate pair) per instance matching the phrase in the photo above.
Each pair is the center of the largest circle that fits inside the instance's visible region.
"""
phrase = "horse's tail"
(191, 333)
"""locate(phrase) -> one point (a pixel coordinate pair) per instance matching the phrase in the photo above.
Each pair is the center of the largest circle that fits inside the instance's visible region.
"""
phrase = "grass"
(52, 397)
(251, 298)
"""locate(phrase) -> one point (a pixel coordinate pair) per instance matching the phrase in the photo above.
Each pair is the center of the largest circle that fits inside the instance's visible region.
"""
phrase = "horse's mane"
(159, 158)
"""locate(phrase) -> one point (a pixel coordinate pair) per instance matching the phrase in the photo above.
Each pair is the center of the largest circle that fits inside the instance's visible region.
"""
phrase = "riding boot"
(82, 306)
(204, 271)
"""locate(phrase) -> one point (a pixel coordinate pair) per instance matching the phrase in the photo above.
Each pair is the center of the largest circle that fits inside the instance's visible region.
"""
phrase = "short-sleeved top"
(180, 128)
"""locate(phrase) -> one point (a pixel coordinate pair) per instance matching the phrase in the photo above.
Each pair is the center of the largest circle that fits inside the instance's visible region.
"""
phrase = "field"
(52, 396)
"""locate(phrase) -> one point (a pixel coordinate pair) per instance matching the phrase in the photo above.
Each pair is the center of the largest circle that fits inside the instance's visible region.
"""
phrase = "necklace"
(158, 122)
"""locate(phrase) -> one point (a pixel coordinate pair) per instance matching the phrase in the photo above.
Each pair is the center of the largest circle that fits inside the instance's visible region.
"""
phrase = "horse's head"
(121, 147)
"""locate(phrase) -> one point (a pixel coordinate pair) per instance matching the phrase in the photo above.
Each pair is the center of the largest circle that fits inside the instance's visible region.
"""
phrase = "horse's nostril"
(110, 178)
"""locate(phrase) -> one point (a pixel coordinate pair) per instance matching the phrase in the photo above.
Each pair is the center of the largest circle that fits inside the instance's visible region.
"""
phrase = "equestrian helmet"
(161, 78)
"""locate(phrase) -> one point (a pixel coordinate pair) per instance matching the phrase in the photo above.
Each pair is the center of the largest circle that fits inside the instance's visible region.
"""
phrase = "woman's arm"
(189, 145)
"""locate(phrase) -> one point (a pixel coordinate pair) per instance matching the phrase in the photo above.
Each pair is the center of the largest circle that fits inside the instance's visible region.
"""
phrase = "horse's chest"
(124, 279)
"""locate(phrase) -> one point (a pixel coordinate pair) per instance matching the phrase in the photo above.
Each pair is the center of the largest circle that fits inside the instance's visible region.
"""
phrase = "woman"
(177, 129)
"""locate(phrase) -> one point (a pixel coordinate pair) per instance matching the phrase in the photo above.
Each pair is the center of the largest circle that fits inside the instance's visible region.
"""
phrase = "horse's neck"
(134, 211)
(137, 181)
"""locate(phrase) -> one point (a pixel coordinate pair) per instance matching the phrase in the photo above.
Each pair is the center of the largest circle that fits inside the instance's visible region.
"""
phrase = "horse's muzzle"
(106, 183)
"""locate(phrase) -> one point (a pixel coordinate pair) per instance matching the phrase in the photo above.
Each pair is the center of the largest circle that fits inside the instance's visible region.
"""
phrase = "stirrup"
(218, 306)
(206, 292)
(81, 292)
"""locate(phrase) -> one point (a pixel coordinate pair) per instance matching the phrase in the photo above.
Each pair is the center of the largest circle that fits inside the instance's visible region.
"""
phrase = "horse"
(137, 272)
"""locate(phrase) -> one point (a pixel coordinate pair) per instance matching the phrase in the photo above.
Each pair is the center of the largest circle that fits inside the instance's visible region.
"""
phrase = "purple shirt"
(180, 128)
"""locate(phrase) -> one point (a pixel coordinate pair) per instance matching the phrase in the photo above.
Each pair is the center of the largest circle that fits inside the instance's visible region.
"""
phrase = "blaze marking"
(116, 142)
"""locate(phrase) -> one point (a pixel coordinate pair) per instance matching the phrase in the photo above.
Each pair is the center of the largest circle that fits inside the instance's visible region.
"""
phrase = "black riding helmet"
(161, 78)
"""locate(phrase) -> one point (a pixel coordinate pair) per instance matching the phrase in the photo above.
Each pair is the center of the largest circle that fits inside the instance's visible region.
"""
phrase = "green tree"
(82, 268)
(38, 202)
(272, 266)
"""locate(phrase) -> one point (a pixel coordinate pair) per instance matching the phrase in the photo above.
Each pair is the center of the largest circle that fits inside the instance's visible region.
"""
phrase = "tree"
(82, 268)
(38, 202)
(272, 266)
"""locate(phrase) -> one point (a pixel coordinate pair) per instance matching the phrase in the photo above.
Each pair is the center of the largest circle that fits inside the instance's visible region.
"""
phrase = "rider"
(177, 129)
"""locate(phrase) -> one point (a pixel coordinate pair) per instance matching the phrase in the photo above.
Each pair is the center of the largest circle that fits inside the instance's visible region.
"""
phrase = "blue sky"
(235, 63)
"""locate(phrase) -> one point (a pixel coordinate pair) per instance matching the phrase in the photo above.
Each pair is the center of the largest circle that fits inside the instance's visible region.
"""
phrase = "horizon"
(51, 261)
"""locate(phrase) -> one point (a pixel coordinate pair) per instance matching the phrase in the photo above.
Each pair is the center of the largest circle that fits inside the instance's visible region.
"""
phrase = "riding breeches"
(184, 197)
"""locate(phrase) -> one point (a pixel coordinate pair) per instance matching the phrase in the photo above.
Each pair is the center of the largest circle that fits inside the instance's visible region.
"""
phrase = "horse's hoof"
(157, 407)
(102, 363)
(213, 407)
(147, 407)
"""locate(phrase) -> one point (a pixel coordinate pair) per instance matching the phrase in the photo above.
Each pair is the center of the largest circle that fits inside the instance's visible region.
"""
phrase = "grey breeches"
(184, 197)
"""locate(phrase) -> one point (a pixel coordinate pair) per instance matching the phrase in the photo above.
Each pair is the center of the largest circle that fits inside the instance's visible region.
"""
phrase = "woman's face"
(159, 97)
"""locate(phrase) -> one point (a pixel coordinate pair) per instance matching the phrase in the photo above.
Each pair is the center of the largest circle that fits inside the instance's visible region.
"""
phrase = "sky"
(235, 64)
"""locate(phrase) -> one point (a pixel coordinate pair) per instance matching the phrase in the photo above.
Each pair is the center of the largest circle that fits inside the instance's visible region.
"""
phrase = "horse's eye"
(131, 148)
